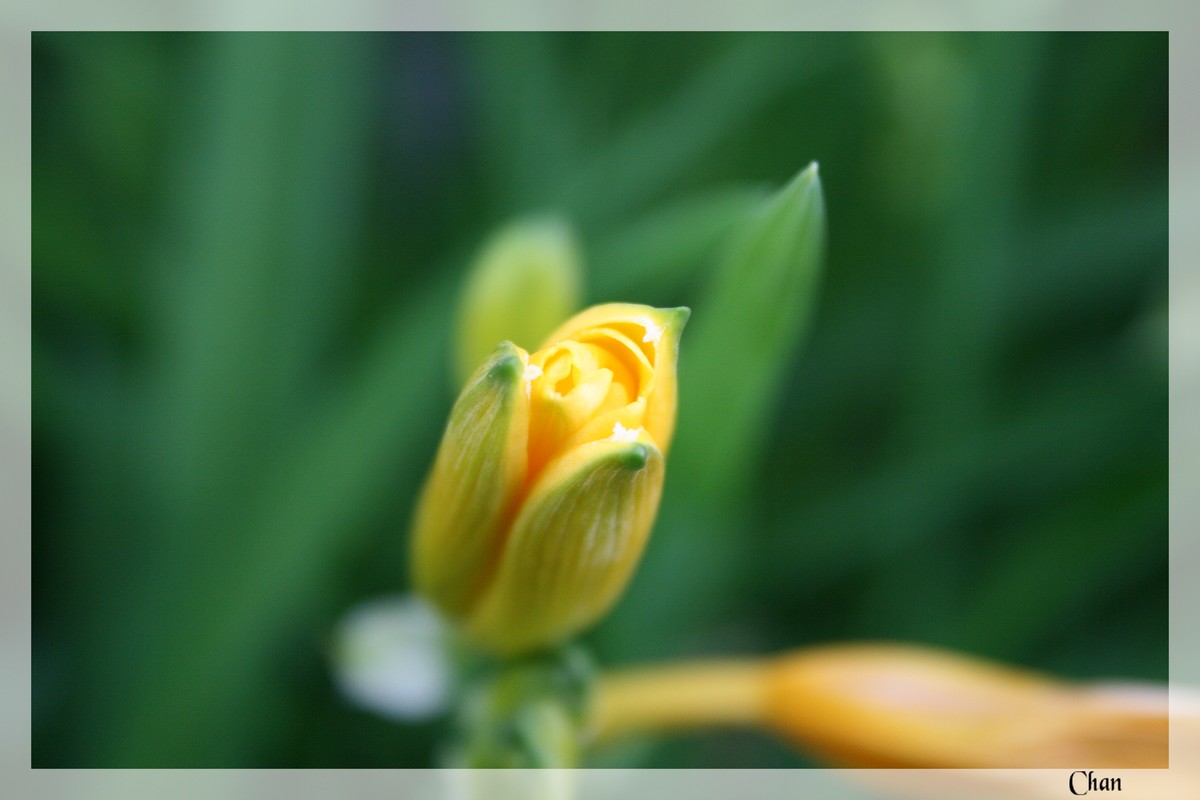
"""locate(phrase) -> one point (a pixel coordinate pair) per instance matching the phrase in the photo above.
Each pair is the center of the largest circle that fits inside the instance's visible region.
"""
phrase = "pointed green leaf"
(745, 334)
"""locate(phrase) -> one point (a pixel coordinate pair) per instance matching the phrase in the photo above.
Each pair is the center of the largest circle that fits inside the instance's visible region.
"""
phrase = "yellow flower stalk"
(868, 705)
(548, 478)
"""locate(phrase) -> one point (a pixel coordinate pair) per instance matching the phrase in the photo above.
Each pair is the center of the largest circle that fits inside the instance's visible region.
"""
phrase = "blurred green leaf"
(654, 151)
(529, 131)
(656, 256)
(1084, 550)
(959, 318)
(264, 222)
(747, 328)
(913, 496)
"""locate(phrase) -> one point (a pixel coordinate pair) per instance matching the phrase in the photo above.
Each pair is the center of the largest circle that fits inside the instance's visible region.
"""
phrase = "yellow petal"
(475, 484)
(650, 337)
(574, 544)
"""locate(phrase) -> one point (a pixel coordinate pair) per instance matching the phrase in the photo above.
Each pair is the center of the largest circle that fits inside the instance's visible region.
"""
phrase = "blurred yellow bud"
(548, 478)
(525, 281)
(900, 706)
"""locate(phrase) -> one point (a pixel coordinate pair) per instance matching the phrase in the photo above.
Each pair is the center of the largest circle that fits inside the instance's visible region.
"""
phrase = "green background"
(246, 256)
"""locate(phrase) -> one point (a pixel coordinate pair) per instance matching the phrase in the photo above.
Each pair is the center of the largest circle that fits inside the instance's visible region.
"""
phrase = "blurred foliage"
(247, 250)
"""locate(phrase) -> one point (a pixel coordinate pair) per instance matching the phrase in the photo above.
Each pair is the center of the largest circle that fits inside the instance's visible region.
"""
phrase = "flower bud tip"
(632, 458)
(507, 366)
(678, 315)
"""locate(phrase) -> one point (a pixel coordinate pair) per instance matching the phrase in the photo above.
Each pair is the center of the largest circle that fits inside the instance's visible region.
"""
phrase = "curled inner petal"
(581, 387)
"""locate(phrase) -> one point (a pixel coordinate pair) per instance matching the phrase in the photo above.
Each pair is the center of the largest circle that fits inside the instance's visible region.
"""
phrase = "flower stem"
(697, 695)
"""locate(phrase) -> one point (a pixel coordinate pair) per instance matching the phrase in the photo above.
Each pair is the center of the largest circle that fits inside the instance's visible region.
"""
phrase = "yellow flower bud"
(548, 478)
(892, 706)
(526, 280)
(901, 706)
